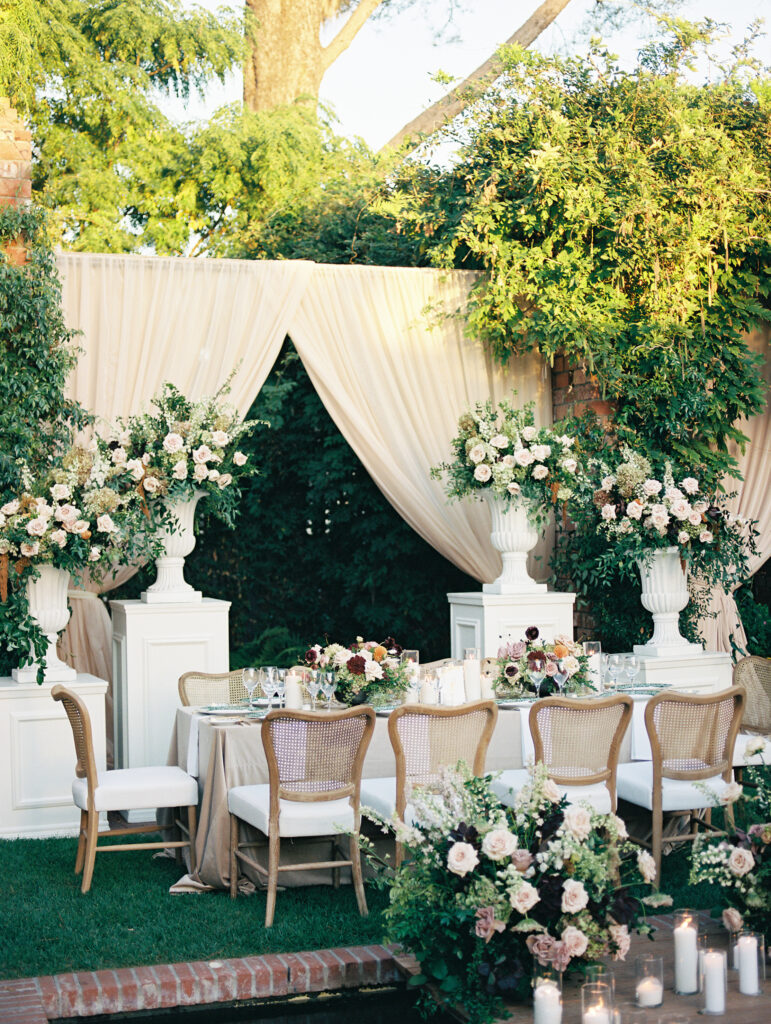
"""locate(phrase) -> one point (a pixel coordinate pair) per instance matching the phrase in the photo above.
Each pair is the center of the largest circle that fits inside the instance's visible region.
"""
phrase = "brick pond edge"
(199, 983)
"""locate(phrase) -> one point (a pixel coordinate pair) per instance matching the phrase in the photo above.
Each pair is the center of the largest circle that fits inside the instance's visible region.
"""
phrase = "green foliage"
(756, 619)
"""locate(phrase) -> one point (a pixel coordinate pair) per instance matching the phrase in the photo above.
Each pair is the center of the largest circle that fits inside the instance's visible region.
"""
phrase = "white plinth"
(153, 644)
(37, 756)
(701, 672)
(483, 620)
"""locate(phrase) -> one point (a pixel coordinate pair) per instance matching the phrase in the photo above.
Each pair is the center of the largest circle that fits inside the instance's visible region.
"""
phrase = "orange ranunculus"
(86, 535)
(561, 650)
(379, 653)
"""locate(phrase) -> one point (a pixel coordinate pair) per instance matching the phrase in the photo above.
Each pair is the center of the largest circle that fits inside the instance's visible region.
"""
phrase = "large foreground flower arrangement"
(563, 664)
(486, 890)
(366, 671)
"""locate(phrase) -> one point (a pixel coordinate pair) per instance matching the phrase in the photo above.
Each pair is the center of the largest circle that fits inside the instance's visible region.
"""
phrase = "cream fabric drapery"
(395, 371)
(752, 501)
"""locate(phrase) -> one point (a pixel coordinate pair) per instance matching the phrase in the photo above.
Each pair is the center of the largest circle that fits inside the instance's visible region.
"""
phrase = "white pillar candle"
(472, 678)
(649, 992)
(594, 671)
(547, 1004)
(427, 693)
(294, 693)
(686, 958)
(747, 956)
(714, 982)
(596, 1015)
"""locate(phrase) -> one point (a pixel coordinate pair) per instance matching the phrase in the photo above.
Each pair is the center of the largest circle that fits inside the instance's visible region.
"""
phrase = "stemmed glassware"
(328, 683)
(439, 684)
(250, 678)
(560, 676)
(632, 667)
(313, 684)
(538, 674)
(615, 668)
(268, 684)
(280, 686)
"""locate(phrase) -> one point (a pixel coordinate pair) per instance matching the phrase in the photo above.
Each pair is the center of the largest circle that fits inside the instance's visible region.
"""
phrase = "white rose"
(651, 487)
(151, 484)
(66, 513)
(634, 509)
(705, 537)
(477, 454)
(60, 491)
(619, 933)
(43, 508)
(173, 443)
(524, 457)
(180, 470)
(578, 822)
(37, 527)
(690, 485)
(508, 461)
(571, 665)
(540, 472)
(608, 483)
(513, 487)
(220, 438)
(541, 451)
(529, 433)
(683, 537)
(608, 512)
(11, 507)
(647, 866)
(124, 438)
(239, 459)
(576, 942)
(499, 441)
(372, 670)
(499, 843)
(341, 657)
(732, 919)
(200, 472)
(756, 746)
(202, 454)
(105, 524)
(483, 473)
(680, 508)
(673, 493)
(659, 516)
(59, 537)
(700, 506)
(695, 518)
(214, 474)
(462, 858)
(76, 525)
(524, 898)
(29, 550)
(551, 791)
(146, 459)
(224, 481)
(136, 468)
(119, 456)
(569, 465)
(620, 827)
(741, 862)
(731, 793)
(94, 554)
(574, 897)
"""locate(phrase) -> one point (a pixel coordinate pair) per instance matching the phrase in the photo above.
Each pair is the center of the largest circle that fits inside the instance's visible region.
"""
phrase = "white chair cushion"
(741, 759)
(124, 789)
(380, 795)
(634, 783)
(509, 783)
(296, 818)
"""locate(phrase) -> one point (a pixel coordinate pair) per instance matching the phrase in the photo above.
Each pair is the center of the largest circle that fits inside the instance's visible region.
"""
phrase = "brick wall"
(15, 169)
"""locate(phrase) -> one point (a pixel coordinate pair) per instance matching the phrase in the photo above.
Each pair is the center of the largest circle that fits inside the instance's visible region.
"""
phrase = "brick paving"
(201, 983)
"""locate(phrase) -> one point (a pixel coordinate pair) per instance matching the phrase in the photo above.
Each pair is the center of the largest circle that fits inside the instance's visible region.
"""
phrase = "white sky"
(384, 79)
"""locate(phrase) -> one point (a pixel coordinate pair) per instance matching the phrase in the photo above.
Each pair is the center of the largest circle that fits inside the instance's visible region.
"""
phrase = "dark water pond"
(378, 1007)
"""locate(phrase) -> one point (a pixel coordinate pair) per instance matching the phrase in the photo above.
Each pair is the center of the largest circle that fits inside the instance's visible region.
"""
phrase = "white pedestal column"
(153, 644)
(37, 756)
(483, 620)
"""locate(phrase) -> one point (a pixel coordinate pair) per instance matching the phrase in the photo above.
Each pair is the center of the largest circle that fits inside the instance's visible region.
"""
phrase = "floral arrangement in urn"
(367, 672)
(501, 451)
(534, 666)
(182, 448)
(486, 890)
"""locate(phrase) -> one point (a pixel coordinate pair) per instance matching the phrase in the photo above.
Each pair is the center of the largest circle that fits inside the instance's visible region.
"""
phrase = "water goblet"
(615, 668)
(268, 684)
(632, 667)
(560, 676)
(313, 684)
(440, 681)
(328, 684)
(280, 684)
(250, 678)
(537, 675)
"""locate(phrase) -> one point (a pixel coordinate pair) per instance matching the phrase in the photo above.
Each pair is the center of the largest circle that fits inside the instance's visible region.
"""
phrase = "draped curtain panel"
(387, 352)
(751, 500)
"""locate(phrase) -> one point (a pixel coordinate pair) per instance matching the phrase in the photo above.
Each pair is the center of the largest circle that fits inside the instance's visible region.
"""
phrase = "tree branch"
(445, 109)
(361, 14)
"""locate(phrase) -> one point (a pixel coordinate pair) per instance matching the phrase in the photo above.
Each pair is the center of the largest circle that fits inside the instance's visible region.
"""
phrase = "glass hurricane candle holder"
(686, 935)
(649, 980)
(715, 971)
(593, 652)
(751, 962)
(411, 659)
(604, 974)
(596, 1003)
(547, 995)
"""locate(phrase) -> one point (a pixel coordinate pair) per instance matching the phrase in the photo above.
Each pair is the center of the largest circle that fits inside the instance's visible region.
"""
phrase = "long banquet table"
(222, 753)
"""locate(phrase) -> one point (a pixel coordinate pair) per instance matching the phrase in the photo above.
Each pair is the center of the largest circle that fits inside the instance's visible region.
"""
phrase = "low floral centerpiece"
(559, 667)
(485, 890)
(366, 672)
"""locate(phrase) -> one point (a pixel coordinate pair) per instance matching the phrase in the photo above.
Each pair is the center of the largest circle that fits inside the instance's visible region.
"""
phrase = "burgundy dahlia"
(355, 665)
(532, 632)
(311, 656)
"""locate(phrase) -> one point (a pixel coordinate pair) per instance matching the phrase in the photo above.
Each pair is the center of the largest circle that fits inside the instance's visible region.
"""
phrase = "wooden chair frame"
(724, 768)
(234, 677)
(434, 711)
(279, 792)
(608, 775)
(89, 834)
(759, 671)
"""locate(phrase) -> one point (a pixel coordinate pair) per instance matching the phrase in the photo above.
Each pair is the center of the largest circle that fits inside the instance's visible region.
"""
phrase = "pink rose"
(462, 858)
(741, 862)
(647, 866)
(574, 897)
(37, 527)
(578, 822)
(487, 923)
(524, 898)
(30, 550)
(634, 509)
(540, 947)
(732, 919)
(575, 941)
(560, 958)
(619, 933)
(522, 859)
(499, 843)
(173, 443)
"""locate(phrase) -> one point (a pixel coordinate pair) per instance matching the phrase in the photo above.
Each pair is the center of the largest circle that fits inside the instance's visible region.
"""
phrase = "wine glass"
(560, 676)
(615, 668)
(268, 684)
(632, 667)
(328, 683)
(250, 678)
(537, 675)
(313, 684)
(440, 681)
(280, 685)
(603, 671)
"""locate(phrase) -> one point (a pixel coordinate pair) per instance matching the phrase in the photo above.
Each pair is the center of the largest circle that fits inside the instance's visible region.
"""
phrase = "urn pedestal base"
(485, 620)
(55, 674)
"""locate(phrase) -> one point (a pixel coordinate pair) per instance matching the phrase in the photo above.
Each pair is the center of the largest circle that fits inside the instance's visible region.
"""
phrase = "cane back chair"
(121, 789)
(196, 688)
(314, 766)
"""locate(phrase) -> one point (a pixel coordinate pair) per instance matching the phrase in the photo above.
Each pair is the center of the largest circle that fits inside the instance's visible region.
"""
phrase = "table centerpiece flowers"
(559, 667)
(366, 672)
(485, 890)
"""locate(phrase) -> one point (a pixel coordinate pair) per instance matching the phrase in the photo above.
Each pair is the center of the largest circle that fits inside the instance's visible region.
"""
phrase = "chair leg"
(358, 880)
(233, 859)
(657, 822)
(81, 854)
(399, 853)
(192, 825)
(274, 849)
(92, 829)
(335, 871)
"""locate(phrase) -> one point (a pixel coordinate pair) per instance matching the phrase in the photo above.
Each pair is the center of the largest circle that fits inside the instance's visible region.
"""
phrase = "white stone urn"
(170, 586)
(664, 579)
(514, 536)
(47, 599)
